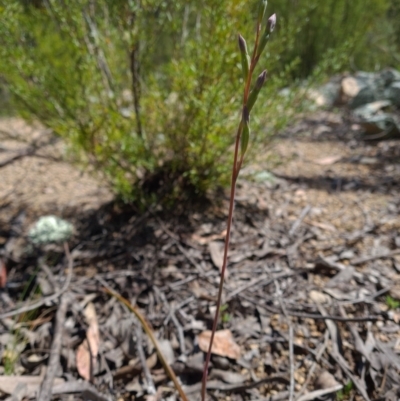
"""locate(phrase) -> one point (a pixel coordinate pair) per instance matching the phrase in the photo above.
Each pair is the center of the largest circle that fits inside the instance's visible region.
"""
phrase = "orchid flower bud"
(256, 90)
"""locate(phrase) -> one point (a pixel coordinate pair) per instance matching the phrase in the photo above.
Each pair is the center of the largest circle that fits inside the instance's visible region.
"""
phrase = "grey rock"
(389, 76)
(394, 93)
(330, 91)
(370, 109)
(367, 94)
(382, 126)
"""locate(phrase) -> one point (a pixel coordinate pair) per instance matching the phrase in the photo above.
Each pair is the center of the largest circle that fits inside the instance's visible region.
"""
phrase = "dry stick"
(180, 247)
(153, 339)
(178, 308)
(217, 385)
(291, 351)
(314, 365)
(171, 314)
(300, 219)
(335, 354)
(86, 390)
(365, 259)
(45, 391)
(371, 318)
(291, 359)
(359, 344)
(319, 393)
(151, 388)
(50, 298)
(260, 282)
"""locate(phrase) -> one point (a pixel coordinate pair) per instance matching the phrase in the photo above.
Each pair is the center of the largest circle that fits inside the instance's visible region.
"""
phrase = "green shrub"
(144, 93)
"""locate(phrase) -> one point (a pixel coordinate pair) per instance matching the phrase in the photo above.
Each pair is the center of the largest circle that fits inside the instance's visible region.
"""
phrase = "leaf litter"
(312, 297)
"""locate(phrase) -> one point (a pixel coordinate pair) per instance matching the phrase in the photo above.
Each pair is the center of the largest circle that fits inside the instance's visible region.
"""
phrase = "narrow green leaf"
(244, 139)
(244, 56)
(261, 10)
(263, 42)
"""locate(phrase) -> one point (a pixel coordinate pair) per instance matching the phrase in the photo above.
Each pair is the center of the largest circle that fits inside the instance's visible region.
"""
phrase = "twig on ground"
(364, 259)
(260, 281)
(217, 385)
(335, 354)
(371, 318)
(109, 374)
(367, 299)
(179, 308)
(314, 365)
(291, 360)
(298, 222)
(358, 342)
(303, 348)
(49, 274)
(313, 395)
(171, 314)
(149, 332)
(87, 391)
(151, 388)
(291, 351)
(45, 391)
(321, 260)
(50, 298)
(180, 247)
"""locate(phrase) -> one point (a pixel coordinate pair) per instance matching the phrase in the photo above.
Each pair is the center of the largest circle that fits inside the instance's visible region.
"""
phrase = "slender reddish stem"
(235, 174)
(237, 164)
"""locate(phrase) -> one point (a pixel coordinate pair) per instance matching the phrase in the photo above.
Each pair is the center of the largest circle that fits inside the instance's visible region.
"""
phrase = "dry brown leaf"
(325, 380)
(83, 364)
(318, 297)
(195, 288)
(216, 249)
(328, 160)
(86, 354)
(323, 226)
(92, 333)
(167, 351)
(151, 361)
(203, 240)
(223, 345)
(3, 274)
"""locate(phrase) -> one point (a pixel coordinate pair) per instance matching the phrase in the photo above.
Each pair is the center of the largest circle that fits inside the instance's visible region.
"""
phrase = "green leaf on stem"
(244, 56)
(244, 139)
(261, 10)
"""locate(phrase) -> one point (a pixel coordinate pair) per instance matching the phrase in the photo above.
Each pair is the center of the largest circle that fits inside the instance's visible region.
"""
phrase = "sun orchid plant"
(250, 94)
